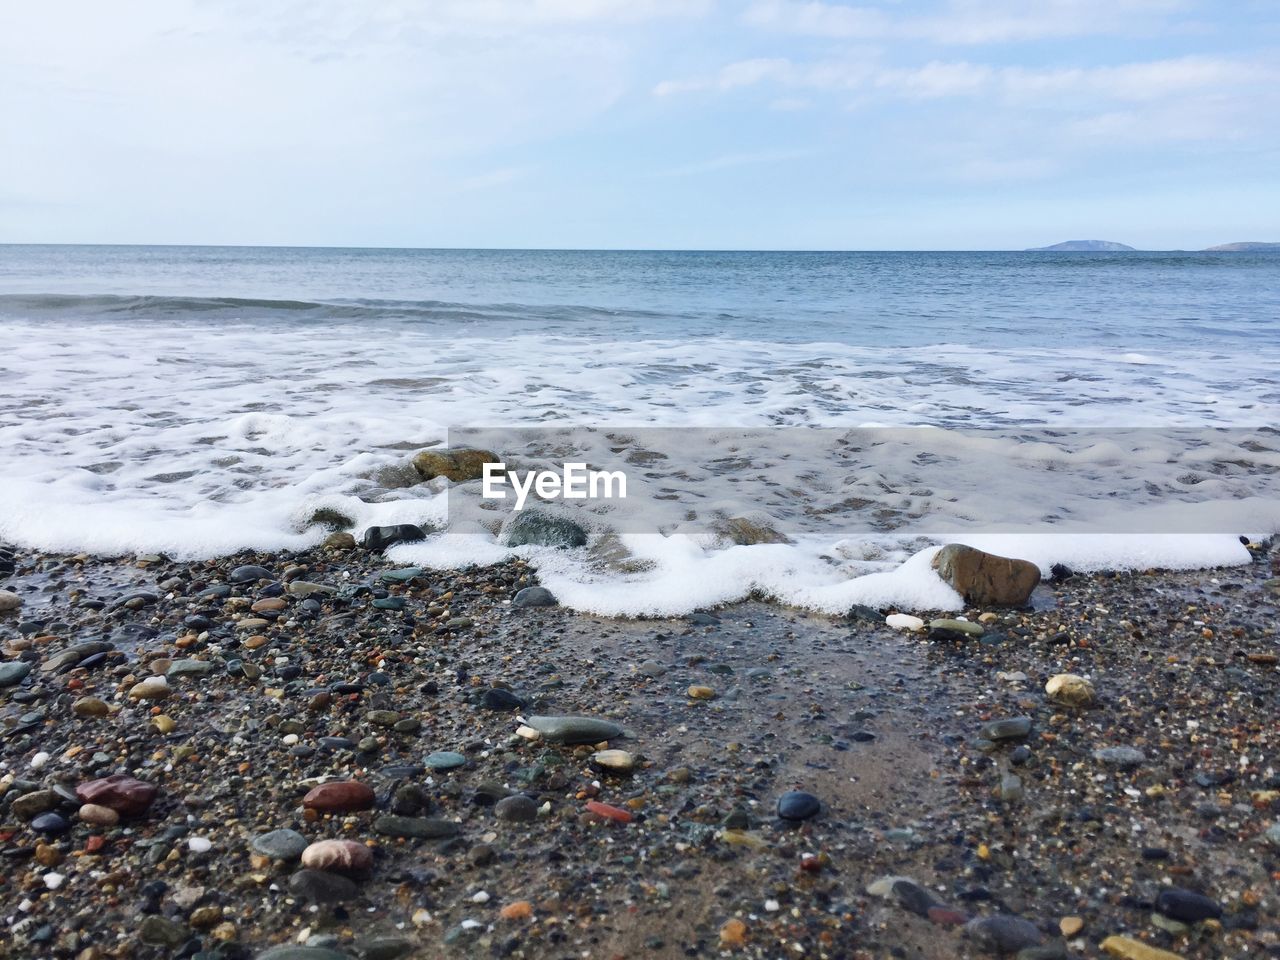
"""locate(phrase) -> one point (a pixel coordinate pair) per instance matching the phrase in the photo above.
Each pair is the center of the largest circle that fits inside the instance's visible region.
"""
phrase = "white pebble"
(772, 906)
(290, 739)
(904, 621)
(39, 760)
(54, 880)
(480, 897)
(199, 845)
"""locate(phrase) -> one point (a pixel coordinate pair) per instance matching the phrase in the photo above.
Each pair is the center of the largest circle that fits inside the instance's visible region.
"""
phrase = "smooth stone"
(9, 601)
(445, 760)
(389, 947)
(403, 575)
(537, 528)
(289, 951)
(31, 805)
(283, 844)
(160, 931)
(339, 541)
(949, 628)
(571, 730)
(307, 588)
(517, 809)
(90, 707)
(1004, 934)
(1012, 728)
(322, 887)
(1126, 948)
(534, 597)
(417, 828)
(457, 465)
(986, 579)
(13, 672)
(126, 795)
(389, 603)
(50, 823)
(152, 688)
(797, 805)
(250, 573)
(97, 815)
(904, 621)
(1123, 758)
(1187, 906)
(914, 897)
(495, 698)
(341, 856)
(1070, 690)
(617, 761)
(378, 539)
(192, 668)
(270, 605)
(340, 796)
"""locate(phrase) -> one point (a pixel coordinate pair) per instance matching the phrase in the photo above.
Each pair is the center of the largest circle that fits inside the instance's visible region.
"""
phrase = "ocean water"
(196, 401)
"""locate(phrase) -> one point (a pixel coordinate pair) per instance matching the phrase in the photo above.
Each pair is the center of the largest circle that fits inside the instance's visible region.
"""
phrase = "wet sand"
(881, 726)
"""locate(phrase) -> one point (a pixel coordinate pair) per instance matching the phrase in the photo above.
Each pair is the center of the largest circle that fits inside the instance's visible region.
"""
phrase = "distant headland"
(1086, 246)
(1110, 246)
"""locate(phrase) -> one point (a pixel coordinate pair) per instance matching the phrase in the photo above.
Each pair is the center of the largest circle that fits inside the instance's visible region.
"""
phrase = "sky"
(706, 124)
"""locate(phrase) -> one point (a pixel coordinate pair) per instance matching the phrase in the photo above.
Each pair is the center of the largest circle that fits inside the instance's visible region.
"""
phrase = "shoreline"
(881, 726)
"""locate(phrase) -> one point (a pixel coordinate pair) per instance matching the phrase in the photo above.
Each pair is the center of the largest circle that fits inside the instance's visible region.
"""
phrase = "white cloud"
(964, 21)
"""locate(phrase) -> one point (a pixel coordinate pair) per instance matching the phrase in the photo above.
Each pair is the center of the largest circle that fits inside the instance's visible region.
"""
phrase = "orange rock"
(520, 910)
(733, 933)
(341, 796)
(608, 812)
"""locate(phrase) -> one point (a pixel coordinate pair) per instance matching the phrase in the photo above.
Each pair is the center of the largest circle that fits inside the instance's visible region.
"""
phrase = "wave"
(44, 306)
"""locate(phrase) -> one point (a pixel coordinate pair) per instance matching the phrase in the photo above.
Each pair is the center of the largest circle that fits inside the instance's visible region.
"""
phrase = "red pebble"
(608, 812)
(95, 844)
(123, 794)
(948, 917)
(342, 796)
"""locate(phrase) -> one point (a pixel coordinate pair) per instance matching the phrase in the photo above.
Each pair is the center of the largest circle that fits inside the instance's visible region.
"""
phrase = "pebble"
(13, 672)
(517, 809)
(616, 761)
(1070, 926)
(796, 805)
(250, 573)
(1013, 728)
(191, 668)
(1003, 934)
(534, 597)
(520, 910)
(340, 796)
(904, 621)
(733, 934)
(949, 629)
(445, 760)
(90, 707)
(340, 856)
(291, 952)
(699, 692)
(97, 815)
(417, 828)
(496, 698)
(50, 823)
(1186, 906)
(152, 688)
(1126, 948)
(31, 805)
(322, 887)
(9, 601)
(1070, 690)
(1123, 758)
(160, 931)
(571, 730)
(283, 844)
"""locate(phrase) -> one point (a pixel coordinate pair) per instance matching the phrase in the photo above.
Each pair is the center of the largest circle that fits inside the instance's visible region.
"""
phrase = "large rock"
(456, 466)
(9, 601)
(574, 730)
(749, 530)
(125, 795)
(545, 530)
(984, 579)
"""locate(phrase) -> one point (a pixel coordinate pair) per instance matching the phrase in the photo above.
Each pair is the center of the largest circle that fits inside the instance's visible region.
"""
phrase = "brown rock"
(456, 466)
(338, 856)
(123, 794)
(341, 796)
(269, 605)
(985, 579)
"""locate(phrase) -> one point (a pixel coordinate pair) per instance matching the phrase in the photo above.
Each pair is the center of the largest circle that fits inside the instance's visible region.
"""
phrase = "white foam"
(196, 440)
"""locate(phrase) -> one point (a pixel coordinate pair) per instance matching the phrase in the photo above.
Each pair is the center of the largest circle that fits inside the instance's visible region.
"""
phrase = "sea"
(1100, 410)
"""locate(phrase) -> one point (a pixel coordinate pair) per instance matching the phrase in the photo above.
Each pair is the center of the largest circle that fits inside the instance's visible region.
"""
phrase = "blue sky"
(952, 124)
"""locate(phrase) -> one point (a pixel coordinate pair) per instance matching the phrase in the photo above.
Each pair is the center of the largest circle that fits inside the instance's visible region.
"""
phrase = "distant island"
(1245, 246)
(1086, 246)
